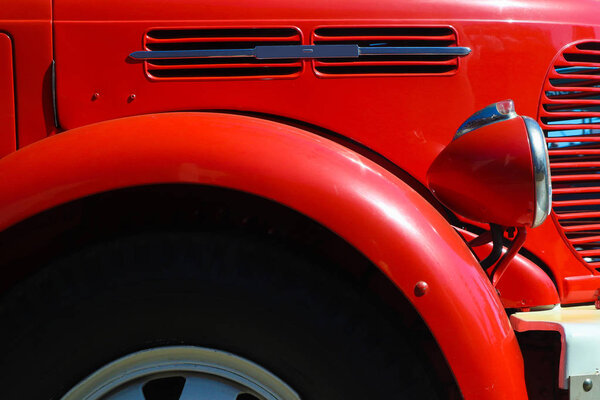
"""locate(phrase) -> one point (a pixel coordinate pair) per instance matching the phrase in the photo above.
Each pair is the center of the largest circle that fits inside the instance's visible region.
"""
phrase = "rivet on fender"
(421, 288)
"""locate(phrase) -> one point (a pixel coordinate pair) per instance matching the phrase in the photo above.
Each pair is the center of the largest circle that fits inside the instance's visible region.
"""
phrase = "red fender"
(359, 200)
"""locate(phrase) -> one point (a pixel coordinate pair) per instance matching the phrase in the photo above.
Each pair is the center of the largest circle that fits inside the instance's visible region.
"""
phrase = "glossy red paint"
(487, 175)
(511, 11)
(407, 119)
(8, 136)
(524, 284)
(311, 175)
(578, 287)
(29, 24)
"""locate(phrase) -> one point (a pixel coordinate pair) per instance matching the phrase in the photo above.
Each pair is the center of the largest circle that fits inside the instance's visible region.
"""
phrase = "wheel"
(201, 315)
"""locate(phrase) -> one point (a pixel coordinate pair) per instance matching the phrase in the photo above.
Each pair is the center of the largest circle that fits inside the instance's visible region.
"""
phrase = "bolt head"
(587, 385)
(421, 288)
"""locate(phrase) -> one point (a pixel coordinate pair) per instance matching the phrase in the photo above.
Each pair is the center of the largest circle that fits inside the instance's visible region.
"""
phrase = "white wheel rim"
(200, 372)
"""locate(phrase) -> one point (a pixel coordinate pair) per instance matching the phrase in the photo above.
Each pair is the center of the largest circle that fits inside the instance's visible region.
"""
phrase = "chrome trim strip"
(311, 51)
(155, 55)
(301, 51)
(486, 116)
(541, 171)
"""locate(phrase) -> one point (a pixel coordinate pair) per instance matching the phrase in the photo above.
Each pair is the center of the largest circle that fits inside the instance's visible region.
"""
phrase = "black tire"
(312, 326)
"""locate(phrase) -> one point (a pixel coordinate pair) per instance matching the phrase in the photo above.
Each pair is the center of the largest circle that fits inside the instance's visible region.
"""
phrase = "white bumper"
(580, 331)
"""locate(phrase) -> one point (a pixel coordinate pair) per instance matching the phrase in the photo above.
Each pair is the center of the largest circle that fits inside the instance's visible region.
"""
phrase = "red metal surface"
(505, 261)
(408, 119)
(365, 35)
(524, 284)
(8, 132)
(578, 287)
(526, 10)
(568, 115)
(233, 68)
(494, 167)
(28, 22)
(309, 174)
(568, 92)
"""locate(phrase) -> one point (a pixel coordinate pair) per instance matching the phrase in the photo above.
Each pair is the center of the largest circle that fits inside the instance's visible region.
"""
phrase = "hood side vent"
(220, 67)
(386, 65)
(569, 114)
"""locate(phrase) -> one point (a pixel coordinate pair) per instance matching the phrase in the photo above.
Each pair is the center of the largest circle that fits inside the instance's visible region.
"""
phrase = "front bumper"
(579, 369)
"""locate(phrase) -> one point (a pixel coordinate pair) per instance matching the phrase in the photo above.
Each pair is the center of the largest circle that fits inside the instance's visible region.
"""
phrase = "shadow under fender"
(369, 207)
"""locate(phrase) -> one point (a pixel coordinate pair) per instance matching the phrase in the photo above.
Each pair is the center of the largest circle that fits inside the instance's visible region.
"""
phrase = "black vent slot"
(222, 33)
(386, 65)
(387, 69)
(221, 67)
(385, 31)
(224, 72)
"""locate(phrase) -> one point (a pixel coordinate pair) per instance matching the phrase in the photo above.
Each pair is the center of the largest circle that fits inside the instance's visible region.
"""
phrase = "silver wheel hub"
(181, 373)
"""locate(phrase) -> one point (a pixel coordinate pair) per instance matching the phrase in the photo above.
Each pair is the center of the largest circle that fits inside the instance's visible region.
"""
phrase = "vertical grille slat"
(165, 39)
(398, 36)
(569, 114)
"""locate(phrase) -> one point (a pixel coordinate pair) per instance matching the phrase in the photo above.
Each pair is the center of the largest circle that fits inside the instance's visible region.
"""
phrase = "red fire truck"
(242, 200)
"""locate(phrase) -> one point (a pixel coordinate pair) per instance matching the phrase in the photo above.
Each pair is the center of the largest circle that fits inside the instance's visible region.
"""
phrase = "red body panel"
(29, 24)
(8, 132)
(408, 119)
(309, 174)
(487, 175)
(524, 284)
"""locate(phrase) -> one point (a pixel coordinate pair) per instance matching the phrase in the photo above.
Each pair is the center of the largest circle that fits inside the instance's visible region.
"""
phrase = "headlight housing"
(495, 170)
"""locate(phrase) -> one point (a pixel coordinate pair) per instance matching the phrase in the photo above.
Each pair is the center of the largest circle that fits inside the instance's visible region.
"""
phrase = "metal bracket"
(584, 387)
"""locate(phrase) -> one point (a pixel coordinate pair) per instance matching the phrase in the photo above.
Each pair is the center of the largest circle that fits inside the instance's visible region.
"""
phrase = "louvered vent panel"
(389, 64)
(221, 67)
(570, 116)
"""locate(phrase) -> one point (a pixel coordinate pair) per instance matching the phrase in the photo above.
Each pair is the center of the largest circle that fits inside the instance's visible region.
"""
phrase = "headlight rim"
(541, 171)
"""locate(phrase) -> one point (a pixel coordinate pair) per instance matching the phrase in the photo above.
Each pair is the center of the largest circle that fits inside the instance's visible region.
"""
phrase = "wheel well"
(31, 244)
